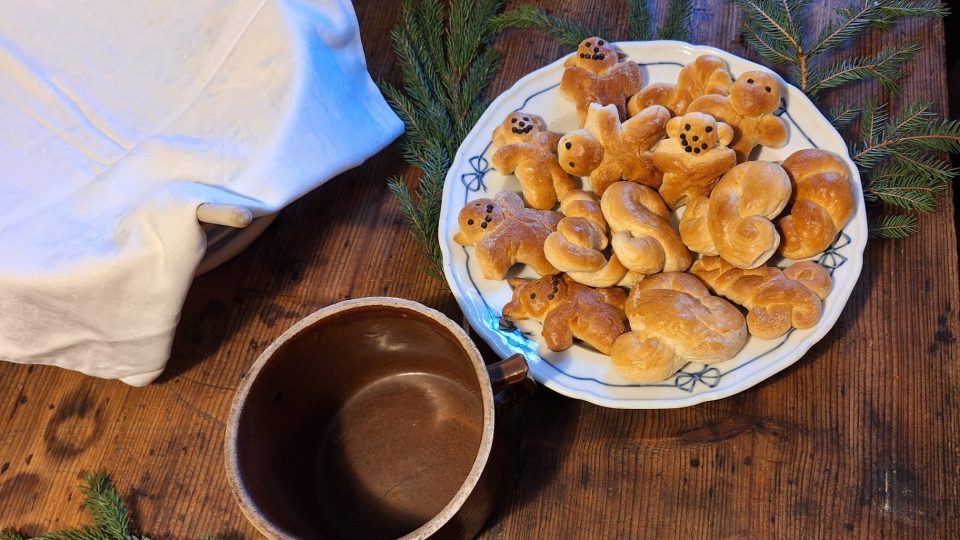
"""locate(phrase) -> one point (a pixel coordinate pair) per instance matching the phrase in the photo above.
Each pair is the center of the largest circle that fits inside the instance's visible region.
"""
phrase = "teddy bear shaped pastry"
(506, 233)
(776, 299)
(568, 310)
(526, 148)
(609, 151)
(735, 222)
(643, 238)
(674, 320)
(748, 109)
(823, 202)
(693, 157)
(597, 73)
(707, 74)
(579, 243)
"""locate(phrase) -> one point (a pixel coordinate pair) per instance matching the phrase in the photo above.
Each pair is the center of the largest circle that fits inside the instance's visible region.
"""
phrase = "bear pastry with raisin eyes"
(693, 157)
(527, 149)
(595, 73)
(505, 233)
(609, 151)
(569, 310)
(749, 110)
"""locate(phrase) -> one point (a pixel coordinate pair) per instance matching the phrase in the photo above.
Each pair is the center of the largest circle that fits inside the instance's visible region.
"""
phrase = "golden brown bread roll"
(674, 320)
(693, 157)
(568, 310)
(822, 204)
(643, 237)
(735, 221)
(577, 247)
(526, 148)
(707, 74)
(595, 73)
(609, 151)
(749, 110)
(505, 233)
(776, 299)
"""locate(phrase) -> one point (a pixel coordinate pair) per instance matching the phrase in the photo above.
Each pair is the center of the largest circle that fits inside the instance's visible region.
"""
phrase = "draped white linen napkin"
(117, 119)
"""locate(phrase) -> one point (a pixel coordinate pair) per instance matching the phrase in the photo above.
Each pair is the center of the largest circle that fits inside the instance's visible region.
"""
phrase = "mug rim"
(242, 495)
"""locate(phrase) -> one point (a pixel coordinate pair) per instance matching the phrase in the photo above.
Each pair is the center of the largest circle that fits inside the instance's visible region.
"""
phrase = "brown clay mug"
(371, 418)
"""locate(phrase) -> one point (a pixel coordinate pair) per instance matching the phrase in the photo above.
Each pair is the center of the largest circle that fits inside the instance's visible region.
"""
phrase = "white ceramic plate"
(581, 372)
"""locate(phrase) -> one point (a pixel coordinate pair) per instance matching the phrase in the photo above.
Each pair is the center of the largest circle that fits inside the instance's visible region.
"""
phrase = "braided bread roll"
(823, 202)
(776, 299)
(581, 237)
(675, 320)
(708, 74)
(643, 238)
(735, 221)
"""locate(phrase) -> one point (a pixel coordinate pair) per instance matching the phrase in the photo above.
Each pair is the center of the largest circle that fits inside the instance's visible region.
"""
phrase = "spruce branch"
(446, 65)
(843, 115)
(898, 186)
(639, 20)
(567, 33)
(895, 226)
(886, 67)
(677, 24)
(10, 534)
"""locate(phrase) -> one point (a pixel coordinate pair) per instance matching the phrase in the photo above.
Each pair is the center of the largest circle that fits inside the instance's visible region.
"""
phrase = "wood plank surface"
(860, 438)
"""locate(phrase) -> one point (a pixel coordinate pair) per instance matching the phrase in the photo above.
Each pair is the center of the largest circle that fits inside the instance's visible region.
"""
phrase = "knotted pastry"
(609, 151)
(707, 74)
(526, 148)
(643, 238)
(675, 320)
(505, 233)
(822, 204)
(568, 310)
(577, 247)
(776, 299)
(596, 74)
(735, 221)
(749, 111)
(693, 157)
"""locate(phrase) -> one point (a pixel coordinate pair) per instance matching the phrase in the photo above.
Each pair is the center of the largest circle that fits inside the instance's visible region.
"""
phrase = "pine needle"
(899, 187)
(677, 24)
(10, 534)
(886, 67)
(639, 20)
(892, 226)
(844, 114)
(564, 32)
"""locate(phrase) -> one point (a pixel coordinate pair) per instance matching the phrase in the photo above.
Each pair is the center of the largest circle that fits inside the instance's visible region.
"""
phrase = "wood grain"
(858, 439)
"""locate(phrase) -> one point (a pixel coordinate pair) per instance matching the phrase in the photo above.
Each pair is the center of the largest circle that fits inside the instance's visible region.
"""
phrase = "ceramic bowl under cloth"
(118, 120)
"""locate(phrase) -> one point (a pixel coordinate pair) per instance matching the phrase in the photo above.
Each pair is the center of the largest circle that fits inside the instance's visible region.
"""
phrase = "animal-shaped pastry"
(822, 204)
(609, 151)
(674, 320)
(596, 73)
(776, 299)
(735, 222)
(643, 238)
(568, 310)
(707, 74)
(693, 157)
(749, 111)
(577, 247)
(505, 233)
(526, 148)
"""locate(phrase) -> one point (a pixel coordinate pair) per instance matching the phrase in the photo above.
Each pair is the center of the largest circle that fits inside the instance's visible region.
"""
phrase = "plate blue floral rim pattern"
(581, 372)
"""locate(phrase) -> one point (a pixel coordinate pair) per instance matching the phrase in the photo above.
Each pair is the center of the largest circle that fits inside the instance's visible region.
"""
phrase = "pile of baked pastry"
(648, 151)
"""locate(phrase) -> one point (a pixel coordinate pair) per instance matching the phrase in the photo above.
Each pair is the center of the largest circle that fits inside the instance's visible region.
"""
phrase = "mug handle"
(510, 380)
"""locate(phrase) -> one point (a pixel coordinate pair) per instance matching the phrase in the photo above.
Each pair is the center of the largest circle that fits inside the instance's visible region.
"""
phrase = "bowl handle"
(510, 380)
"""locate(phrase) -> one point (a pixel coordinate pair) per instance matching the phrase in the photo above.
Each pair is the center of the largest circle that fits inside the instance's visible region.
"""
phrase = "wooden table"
(860, 438)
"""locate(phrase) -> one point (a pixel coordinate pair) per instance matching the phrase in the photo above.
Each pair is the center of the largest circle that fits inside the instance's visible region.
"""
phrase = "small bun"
(823, 202)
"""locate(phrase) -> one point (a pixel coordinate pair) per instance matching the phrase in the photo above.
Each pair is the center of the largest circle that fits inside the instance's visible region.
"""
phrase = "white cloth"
(117, 119)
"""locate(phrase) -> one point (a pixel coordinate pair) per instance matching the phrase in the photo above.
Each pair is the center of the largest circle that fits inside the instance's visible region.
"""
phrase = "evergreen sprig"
(111, 519)
(446, 64)
(676, 24)
(900, 159)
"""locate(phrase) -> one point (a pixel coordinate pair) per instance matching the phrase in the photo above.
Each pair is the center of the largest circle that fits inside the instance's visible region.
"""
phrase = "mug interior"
(364, 424)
